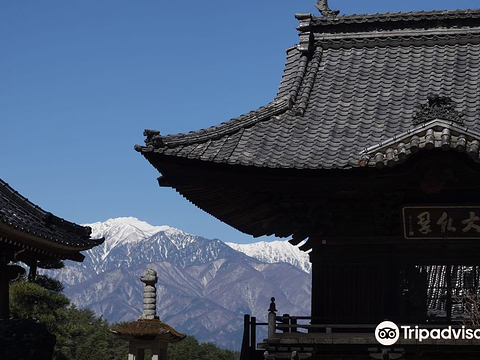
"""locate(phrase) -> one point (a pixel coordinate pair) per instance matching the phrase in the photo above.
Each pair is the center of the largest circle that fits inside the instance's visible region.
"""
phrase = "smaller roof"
(149, 329)
(33, 232)
(437, 133)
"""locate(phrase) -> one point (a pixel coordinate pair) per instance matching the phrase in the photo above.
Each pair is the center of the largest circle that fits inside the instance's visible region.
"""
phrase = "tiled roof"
(348, 86)
(149, 329)
(54, 234)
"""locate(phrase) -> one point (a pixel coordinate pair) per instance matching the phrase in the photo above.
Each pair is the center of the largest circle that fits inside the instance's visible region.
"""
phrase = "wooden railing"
(249, 342)
(286, 327)
(290, 324)
(295, 324)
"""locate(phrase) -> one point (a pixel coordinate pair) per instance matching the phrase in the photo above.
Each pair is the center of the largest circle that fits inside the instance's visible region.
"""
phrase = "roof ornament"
(272, 307)
(438, 107)
(322, 6)
(153, 137)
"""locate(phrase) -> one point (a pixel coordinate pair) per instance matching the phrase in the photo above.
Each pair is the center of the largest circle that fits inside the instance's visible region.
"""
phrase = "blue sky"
(80, 80)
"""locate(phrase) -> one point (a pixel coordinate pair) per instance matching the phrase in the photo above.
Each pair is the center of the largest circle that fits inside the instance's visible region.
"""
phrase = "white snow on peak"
(274, 252)
(127, 231)
(125, 226)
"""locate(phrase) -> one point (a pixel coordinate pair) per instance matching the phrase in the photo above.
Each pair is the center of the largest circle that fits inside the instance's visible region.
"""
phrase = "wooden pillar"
(315, 289)
(156, 352)
(137, 349)
(32, 273)
(272, 319)
(4, 280)
(159, 351)
(245, 350)
(285, 321)
(253, 333)
(132, 351)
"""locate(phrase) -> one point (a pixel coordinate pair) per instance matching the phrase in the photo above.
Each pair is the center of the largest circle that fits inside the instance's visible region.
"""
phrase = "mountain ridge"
(204, 289)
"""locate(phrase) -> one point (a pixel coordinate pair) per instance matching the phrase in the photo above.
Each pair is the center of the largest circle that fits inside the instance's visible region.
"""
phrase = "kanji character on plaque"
(424, 222)
(470, 222)
(446, 223)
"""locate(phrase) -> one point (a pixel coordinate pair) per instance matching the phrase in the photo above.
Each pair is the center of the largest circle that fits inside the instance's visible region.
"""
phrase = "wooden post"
(253, 333)
(132, 351)
(294, 328)
(245, 351)
(32, 273)
(4, 302)
(272, 319)
(286, 321)
(159, 351)
(156, 351)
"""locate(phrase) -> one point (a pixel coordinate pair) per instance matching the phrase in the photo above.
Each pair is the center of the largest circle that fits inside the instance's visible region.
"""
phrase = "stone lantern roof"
(146, 329)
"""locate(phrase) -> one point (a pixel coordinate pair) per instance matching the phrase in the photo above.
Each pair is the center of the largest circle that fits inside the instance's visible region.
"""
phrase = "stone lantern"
(148, 332)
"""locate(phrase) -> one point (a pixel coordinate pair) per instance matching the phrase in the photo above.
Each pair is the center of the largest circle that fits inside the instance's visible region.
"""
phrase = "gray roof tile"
(18, 213)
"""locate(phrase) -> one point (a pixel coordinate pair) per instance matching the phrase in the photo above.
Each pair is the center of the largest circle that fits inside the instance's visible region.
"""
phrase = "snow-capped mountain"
(124, 230)
(275, 252)
(124, 247)
(205, 287)
(128, 232)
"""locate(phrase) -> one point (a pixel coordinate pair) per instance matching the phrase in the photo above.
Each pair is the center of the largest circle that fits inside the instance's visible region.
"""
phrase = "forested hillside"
(80, 335)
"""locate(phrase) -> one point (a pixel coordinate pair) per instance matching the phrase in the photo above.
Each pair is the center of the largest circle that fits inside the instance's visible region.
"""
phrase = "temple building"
(369, 156)
(31, 235)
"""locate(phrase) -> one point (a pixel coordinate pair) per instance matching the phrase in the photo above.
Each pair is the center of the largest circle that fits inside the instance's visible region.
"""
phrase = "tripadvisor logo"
(387, 333)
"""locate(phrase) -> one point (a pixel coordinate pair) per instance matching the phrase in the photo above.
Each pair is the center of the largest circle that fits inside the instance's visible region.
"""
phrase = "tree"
(190, 348)
(80, 334)
(31, 301)
(83, 336)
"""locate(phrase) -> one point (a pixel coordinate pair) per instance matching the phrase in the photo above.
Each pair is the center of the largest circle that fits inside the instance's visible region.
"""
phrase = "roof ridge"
(293, 74)
(299, 77)
(394, 16)
(276, 107)
(340, 26)
(308, 80)
(282, 102)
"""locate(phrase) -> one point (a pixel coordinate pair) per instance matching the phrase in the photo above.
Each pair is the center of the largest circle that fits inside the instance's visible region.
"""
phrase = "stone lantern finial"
(149, 278)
